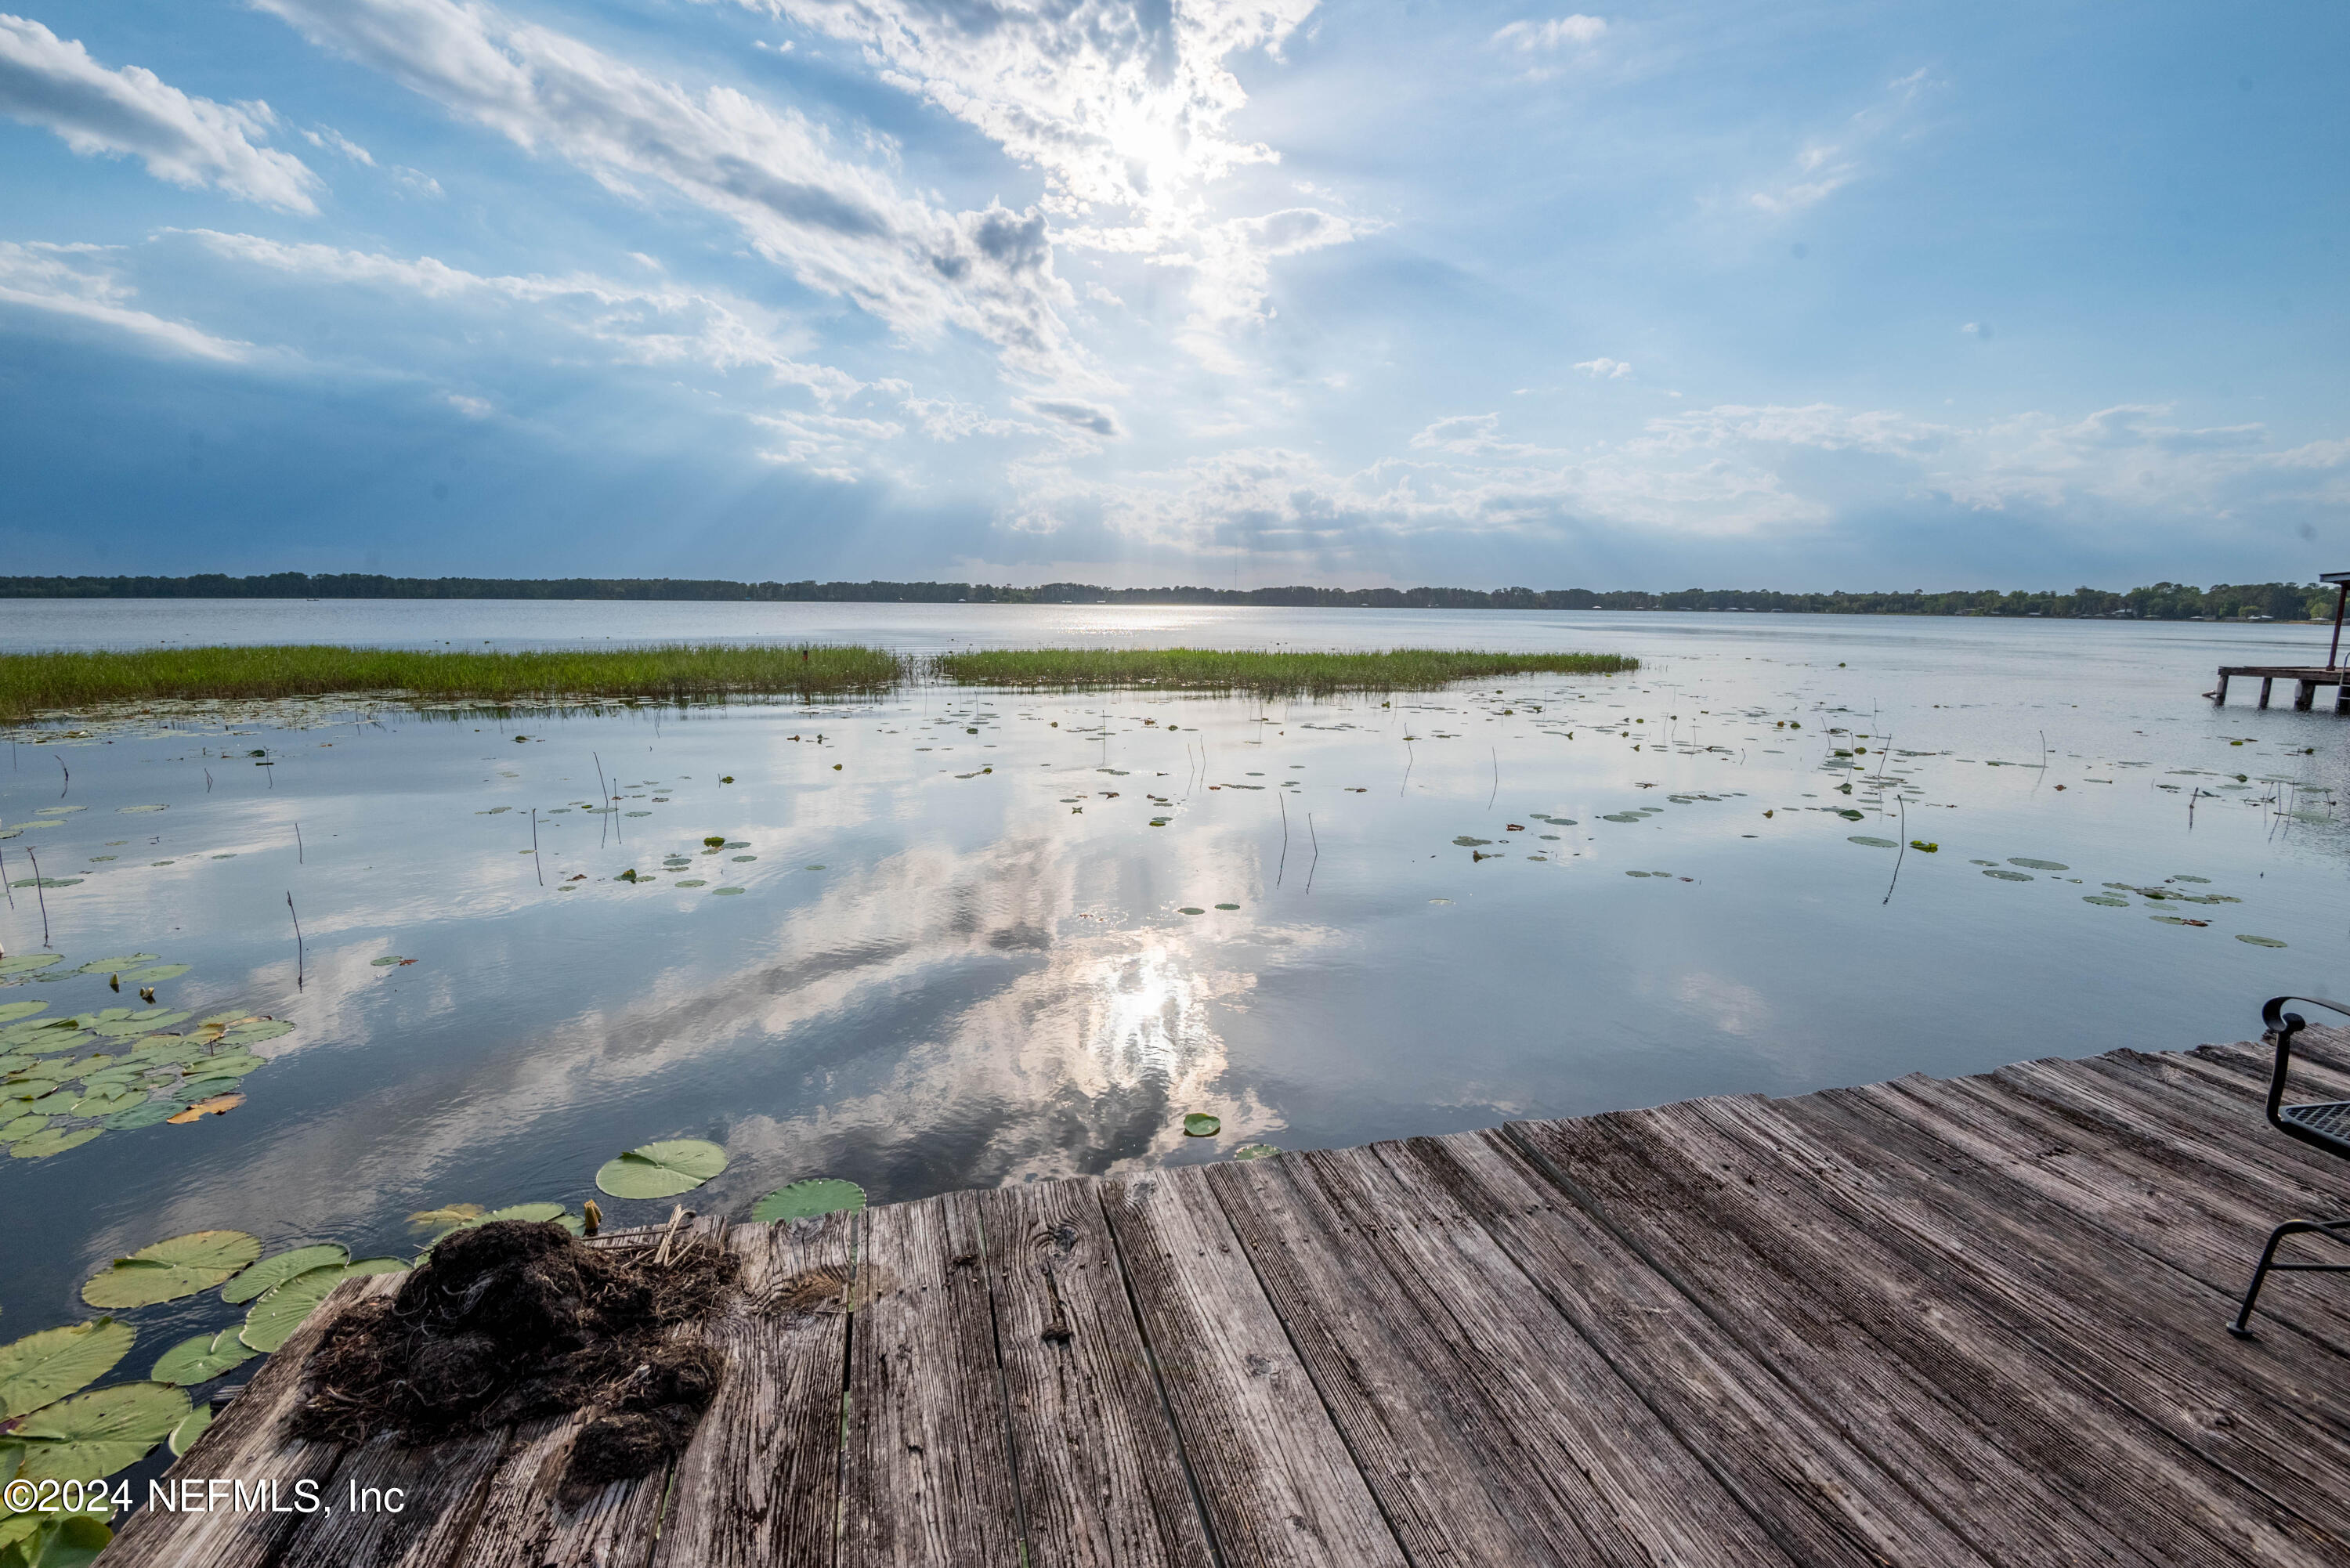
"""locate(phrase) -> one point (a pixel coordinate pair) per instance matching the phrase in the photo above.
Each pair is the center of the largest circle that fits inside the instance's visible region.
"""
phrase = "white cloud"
(48, 81)
(1827, 165)
(1531, 37)
(1604, 369)
(415, 182)
(839, 227)
(328, 138)
(77, 282)
(1978, 330)
(471, 408)
(1117, 104)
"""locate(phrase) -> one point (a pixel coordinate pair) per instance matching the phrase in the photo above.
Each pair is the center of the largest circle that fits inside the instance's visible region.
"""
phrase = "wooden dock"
(2307, 680)
(1946, 1323)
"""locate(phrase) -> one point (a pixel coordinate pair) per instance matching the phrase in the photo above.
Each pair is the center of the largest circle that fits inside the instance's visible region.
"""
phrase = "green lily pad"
(1254, 1151)
(119, 961)
(806, 1199)
(195, 1089)
(661, 1170)
(271, 1321)
(26, 963)
(47, 882)
(2182, 877)
(155, 974)
(142, 1116)
(387, 960)
(721, 892)
(231, 1065)
(2173, 920)
(11, 1011)
(170, 1269)
(2006, 876)
(99, 1433)
(1872, 843)
(183, 1435)
(202, 1359)
(2107, 899)
(23, 1126)
(57, 1140)
(253, 1033)
(42, 1368)
(67, 1540)
(692, 882)
(136, 810)
(1200, 1124)
(275, 1269)
(1190, 909)
(106, 1102)
(1465, 842)
(2037, 864)
(123, 1028)
(1228, 906)
(2261, 941)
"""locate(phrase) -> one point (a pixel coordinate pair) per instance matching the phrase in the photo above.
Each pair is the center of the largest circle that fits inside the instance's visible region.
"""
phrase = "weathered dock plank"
(760, 1482)
(1278, 1483)
(1101, 1478)
(1971, 1322)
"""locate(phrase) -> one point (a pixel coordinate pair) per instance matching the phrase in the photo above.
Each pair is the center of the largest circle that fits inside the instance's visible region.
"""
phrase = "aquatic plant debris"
(518, 1321)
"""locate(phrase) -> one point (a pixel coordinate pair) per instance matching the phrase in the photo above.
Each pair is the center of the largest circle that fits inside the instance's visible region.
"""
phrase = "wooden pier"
(2306, 679)
(1944, 1322)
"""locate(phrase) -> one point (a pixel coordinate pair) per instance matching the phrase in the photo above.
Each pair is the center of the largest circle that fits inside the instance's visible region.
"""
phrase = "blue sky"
(1779, 295)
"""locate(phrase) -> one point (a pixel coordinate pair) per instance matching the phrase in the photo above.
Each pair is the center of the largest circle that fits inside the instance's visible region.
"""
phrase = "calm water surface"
(943, 944)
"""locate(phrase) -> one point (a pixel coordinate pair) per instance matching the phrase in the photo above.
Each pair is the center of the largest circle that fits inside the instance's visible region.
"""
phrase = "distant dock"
(1945, 1323)
(2306, 681)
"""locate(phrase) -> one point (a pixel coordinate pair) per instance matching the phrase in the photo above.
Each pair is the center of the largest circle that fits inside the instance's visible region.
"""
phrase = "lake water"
(943, 944)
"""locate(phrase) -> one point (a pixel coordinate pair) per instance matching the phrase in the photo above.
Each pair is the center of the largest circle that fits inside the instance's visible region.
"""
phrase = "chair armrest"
(2281, 1027)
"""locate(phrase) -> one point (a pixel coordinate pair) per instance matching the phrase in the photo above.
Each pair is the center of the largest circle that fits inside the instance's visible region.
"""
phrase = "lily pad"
(2261, 941)
(98, 1433)
(144, 1115)
(270, 1322)
(202, 1359)
(1190, 909)
(2182, 877)
(1200, 1124)
(1872, 843)
(122, 960)
(57, 1140)
(155, 974)
(1465, 842)
(2037, 864)
(11, 1011)
(275, 1269)
(806, 1200)
(1254, 1151)
(692, 882)
(1228, 906)
(23, 1126)
(170, 1269)
(253, 1033)
(387, 961)
(661, 1170)
(183, 1435)
(2107, 899)
(25, 964)
(135, 810)
(2006, 876)
(42, 1368)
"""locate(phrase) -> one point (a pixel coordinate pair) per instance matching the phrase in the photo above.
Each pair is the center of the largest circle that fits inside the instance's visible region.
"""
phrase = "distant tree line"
(2162, 601)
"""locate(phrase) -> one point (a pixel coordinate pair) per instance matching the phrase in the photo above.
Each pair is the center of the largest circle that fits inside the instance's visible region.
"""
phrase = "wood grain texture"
(1990, 1479)
(1347, 1315)
(248, 1442)
(928, 1476)
(1822, 1494)
(1276, 1478)
(1990, 1337)
(1101, 1476)
(759, 1483)
(428, 1498)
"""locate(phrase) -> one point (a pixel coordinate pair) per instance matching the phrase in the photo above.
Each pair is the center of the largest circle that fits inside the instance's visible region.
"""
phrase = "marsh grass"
(1265, 674)
(32, 683)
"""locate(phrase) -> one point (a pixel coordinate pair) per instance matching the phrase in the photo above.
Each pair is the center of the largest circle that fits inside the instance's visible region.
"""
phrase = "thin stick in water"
(604, 801)
(1900, 857)
(1283, 869)
(1496, 792)
(299, 858)
(297, 941)
(534, 846)
(68, 773)
(1318, 851)
(44, 897)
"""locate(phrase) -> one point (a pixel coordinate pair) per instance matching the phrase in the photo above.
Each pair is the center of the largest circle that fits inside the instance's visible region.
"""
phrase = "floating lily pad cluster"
(66, 1080)
(55, 1427)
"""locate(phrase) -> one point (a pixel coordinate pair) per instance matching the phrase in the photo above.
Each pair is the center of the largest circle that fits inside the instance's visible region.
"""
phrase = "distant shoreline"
(2290, 602)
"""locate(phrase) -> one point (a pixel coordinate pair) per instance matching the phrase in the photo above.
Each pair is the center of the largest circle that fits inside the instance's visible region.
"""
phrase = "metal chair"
(2323, 1125)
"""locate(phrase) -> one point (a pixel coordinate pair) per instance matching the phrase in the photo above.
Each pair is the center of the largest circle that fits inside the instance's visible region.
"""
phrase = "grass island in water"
(1267, 674)
(37, 683)
(33, 683)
